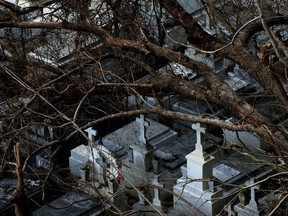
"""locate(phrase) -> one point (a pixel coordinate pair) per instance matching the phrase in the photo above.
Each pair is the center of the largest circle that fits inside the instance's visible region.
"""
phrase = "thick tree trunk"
(258, 70)
(220, 93)
(201, 39)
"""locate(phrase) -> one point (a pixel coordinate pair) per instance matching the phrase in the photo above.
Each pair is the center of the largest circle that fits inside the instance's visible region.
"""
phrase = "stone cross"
(199, 130)
(141, 196)
(143, 127)
(252, 201)
(91, 134)
(156, 199)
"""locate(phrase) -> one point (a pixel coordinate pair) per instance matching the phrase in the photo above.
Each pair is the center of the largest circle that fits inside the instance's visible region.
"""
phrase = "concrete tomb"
(102, 166)
(196, 186)
(252, 207)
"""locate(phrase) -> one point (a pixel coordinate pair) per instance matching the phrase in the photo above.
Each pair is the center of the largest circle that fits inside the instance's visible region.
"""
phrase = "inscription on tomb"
(224, 172)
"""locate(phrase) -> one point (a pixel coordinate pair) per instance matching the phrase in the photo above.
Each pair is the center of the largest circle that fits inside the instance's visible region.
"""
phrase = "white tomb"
(252, 207)
(103, 165)
(142, 151)
(156, 200)
(250, 140)
(196, 186)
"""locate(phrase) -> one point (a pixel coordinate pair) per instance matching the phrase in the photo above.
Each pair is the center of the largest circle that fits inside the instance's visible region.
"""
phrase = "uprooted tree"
(134, 34)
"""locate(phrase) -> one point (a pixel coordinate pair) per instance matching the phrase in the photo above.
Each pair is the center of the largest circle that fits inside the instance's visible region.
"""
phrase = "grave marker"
(199, 163)
(91, 134)
(252, 207)
(141, 196)
(253, 202)
(143, 128)
(156, 199)
(199, 130)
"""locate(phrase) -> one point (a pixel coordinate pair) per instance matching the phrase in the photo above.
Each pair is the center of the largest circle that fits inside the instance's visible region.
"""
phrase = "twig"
(278, 205)
(278, 52)
(219, 49)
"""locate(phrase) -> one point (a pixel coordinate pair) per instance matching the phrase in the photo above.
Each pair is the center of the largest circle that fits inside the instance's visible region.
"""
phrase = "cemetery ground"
(230, 173)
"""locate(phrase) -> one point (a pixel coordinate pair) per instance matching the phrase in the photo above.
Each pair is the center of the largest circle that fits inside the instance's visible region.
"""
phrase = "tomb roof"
(128, 134)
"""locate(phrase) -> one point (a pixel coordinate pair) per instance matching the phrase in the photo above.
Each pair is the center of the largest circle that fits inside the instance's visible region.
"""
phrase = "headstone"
(141, 196)
(253, 202)
(252, 207)
(91, 134)
(141, 152)
(196, 186)
(156, 199)
(199, 163)
(199, 130)
(143, 128)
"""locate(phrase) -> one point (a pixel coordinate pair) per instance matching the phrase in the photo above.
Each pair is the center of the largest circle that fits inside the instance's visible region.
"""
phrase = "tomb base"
(247, 210)
(199, 166)
(207, 202)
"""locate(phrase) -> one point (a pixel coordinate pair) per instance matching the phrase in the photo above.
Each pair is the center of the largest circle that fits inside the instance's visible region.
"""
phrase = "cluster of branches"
(133, 34)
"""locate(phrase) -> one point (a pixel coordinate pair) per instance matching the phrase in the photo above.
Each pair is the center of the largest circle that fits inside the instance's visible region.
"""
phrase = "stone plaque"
(224, 172)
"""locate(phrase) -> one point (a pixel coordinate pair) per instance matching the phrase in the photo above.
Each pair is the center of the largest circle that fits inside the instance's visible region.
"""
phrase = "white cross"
(141, 196)
(199, 130)
(252, 201)
(156, 199)
(91, 134)
(143, 127)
